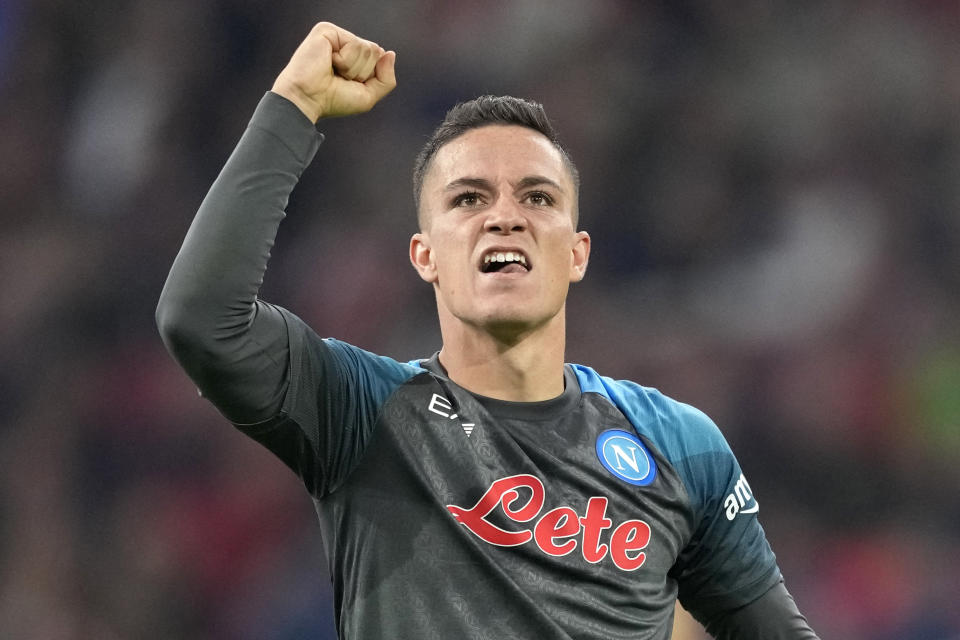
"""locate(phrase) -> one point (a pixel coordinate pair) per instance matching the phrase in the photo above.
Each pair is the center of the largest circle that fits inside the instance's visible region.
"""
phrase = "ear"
(580, 256)
(421, 257)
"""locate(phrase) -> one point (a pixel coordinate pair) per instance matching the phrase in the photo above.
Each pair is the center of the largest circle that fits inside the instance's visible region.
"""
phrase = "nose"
(505, 217)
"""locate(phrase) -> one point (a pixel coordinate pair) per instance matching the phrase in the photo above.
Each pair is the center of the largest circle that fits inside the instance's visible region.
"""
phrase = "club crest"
(624, 456)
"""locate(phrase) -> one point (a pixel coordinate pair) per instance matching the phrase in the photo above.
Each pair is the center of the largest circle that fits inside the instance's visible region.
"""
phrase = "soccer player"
(490, 491)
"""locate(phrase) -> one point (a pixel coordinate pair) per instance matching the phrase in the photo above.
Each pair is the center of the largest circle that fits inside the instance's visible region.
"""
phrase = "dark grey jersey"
(448, 515)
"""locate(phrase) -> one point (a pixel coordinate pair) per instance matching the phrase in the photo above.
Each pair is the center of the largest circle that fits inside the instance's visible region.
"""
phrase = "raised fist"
(335, 73)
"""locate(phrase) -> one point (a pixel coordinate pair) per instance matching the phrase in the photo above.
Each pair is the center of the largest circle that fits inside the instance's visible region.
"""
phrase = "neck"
(524, 366)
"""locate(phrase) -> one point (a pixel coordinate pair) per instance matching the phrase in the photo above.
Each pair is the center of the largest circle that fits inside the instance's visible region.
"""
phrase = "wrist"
(307, 107)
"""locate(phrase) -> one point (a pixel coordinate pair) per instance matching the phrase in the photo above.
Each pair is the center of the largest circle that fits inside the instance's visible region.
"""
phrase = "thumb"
(384, 78)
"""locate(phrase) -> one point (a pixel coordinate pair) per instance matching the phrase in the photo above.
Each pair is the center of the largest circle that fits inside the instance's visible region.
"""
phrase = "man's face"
(498, 240)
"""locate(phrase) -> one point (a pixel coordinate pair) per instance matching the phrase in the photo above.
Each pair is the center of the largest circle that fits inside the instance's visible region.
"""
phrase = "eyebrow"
(473, 183)
(534, 181)
(483, 183)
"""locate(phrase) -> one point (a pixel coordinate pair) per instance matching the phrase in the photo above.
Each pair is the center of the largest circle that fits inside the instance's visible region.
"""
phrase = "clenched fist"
(335, 73)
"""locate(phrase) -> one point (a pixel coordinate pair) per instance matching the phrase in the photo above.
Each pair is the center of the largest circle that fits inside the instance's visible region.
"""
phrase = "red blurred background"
(773, 191)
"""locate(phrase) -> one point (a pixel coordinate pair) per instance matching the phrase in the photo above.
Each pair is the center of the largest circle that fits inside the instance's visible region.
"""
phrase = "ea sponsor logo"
(625, 456)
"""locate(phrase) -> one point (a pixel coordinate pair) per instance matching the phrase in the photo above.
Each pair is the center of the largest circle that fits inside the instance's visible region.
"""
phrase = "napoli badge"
(624, 456)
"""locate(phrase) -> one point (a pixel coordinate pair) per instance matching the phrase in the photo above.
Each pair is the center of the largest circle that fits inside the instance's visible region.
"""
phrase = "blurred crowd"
(773, 192)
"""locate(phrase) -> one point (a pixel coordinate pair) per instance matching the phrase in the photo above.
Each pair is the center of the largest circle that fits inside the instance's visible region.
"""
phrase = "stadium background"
(773, 190)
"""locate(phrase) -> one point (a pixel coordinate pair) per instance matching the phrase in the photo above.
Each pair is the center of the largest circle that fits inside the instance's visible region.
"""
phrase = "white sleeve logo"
(738, 501)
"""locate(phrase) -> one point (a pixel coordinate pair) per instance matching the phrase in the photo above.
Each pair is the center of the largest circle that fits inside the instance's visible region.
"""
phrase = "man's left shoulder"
(681, 429)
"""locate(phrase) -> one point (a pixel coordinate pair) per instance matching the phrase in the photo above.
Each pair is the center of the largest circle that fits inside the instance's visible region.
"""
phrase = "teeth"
(508, 256)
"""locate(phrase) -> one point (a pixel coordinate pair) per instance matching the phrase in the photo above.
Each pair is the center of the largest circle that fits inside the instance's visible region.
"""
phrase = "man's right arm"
(231, 344)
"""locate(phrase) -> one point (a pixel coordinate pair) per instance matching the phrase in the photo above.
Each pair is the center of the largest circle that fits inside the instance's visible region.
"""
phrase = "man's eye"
(539, 198)
(469, 199)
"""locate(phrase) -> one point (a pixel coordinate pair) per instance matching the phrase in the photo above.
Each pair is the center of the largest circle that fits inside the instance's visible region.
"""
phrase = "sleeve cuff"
(280, 117)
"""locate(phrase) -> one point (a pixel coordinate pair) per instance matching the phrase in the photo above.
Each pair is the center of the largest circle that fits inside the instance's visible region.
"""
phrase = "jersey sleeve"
(727, 562)
(772, 616)
(313, 402)
(334, 396)
(231, 344)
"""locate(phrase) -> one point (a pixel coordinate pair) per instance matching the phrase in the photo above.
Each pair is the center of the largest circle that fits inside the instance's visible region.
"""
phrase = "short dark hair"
(481, 112)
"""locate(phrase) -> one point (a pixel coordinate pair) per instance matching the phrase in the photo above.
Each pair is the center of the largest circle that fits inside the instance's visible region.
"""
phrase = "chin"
(512, 324)
(506, 319)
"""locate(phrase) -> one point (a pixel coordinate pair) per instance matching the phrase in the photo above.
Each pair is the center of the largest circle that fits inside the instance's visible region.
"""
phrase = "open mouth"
(505, 262)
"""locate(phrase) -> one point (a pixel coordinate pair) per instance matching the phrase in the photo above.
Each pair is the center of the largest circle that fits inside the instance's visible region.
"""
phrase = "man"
(490, 491)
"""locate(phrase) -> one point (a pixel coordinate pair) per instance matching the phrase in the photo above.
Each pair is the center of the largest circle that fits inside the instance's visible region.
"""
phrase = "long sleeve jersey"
(446, 514)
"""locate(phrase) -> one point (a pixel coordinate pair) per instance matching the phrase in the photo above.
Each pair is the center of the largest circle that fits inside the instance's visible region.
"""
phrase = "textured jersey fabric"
(450, 515)
(445, 514)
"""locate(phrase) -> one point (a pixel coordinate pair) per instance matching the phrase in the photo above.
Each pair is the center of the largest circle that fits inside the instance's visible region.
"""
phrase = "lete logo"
(556, 531)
